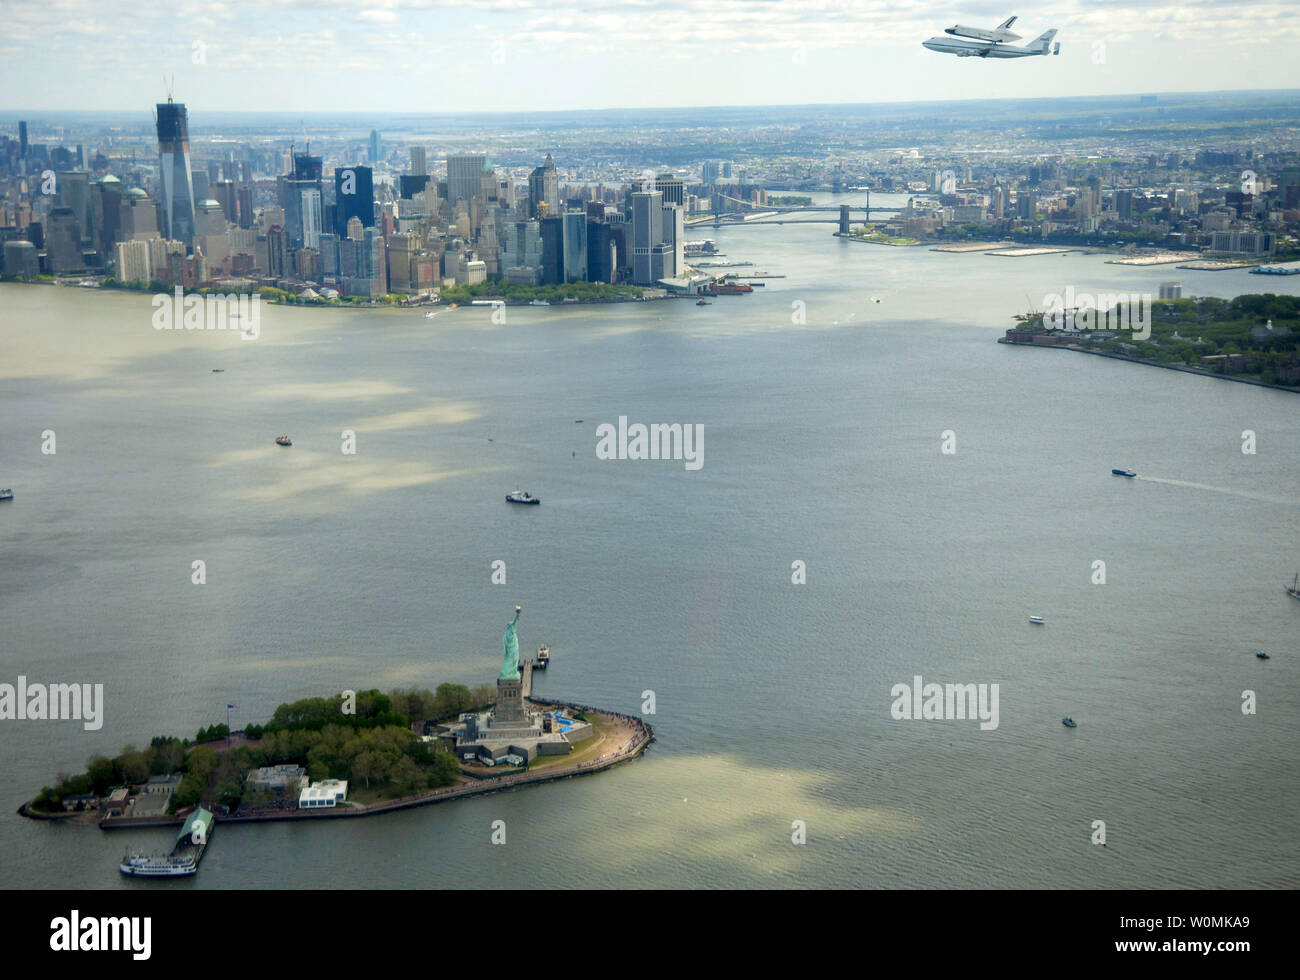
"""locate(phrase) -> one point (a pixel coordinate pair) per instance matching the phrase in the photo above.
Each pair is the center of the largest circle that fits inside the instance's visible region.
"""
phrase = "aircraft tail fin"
(1043, 43)
(1006, 23)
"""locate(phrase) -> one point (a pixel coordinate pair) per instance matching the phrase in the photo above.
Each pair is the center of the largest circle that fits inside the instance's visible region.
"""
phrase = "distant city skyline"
(532, 55)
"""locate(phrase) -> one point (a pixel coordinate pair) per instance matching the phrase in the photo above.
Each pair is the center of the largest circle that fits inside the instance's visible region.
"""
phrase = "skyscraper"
(133, 262)
(647, 233)
(73, 191)
(22, 140)
(672, 189)
(575, 246)
(601, 253)
(63, 241)
(245, 195)
(354, 195)
(302, 197)
(223, 191)
(106, 200)
(177, 183)
(465, 176)
(374, 146)
(552, 270)
(674, 240)
(418, 168)
(544, 186)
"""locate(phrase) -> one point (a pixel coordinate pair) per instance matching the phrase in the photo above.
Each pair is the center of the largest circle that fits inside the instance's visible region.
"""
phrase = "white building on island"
(324, 793)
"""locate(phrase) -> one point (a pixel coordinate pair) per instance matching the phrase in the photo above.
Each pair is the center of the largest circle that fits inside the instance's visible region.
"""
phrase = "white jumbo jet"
(978, 42)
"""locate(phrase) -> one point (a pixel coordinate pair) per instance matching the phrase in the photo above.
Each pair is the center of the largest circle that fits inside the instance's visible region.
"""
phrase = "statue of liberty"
(510, 645)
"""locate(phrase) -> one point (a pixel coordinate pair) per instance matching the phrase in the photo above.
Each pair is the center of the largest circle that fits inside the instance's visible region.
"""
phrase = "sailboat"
(1293, 590)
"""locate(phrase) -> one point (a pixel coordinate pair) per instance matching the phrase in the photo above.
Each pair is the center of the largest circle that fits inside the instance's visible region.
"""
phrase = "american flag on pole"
(232, 707)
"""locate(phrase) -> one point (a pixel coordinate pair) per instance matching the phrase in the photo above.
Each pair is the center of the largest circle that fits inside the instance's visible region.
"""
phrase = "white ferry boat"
(158, 866)
(185, 854)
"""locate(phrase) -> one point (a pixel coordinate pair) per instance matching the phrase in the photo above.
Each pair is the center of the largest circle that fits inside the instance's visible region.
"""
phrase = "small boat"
(283, 441)
(431, 314)
(1293, 590)
(543, 657)
(1037, 620)
(540, 302)
(218, 370)
(702, 302)
(1068, 722)
(6, 494)
(1262, 655)
(522, 497)
(1128, 473)
(577, 421)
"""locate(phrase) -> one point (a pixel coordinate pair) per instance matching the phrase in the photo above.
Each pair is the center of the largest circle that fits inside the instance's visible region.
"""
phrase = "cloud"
(319, 55)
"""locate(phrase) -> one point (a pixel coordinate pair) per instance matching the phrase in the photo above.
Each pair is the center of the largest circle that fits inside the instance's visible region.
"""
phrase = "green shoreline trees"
(364, 737)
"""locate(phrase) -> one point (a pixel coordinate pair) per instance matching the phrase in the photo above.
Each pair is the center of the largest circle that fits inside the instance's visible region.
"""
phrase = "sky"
(465, 56)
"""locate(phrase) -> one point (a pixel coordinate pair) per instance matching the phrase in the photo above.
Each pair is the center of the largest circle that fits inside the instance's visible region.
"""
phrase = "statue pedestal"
(510, 702)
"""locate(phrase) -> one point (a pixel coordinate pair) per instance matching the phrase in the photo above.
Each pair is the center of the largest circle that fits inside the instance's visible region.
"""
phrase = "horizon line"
(6, 112)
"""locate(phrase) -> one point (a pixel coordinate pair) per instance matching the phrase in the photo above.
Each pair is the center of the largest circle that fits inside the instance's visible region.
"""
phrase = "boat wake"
(1235, 493)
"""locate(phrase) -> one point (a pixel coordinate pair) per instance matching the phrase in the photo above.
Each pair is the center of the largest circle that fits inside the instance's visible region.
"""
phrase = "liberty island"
(517, 740)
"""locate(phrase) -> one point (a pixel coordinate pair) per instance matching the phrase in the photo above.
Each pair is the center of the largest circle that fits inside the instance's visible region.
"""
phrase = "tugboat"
(6, 494)
(1037, 620)
(283, 441)
(1262, 655)
(1293, 590)
(543, 657)
(522, 497)
(1068, 722)
(1129, 473)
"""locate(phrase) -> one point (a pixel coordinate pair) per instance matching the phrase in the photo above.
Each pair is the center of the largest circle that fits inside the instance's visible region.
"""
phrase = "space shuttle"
(998, 34)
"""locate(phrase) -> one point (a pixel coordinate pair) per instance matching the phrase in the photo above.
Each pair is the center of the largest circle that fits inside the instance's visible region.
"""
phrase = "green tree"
(102, 774)
(451, 699)
(365, 767)
(134, 764)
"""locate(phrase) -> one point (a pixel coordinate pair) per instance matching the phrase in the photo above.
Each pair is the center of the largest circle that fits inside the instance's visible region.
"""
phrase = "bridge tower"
(844, 219)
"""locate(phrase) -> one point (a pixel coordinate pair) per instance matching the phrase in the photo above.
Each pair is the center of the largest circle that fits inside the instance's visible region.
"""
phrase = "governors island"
(353, 755)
